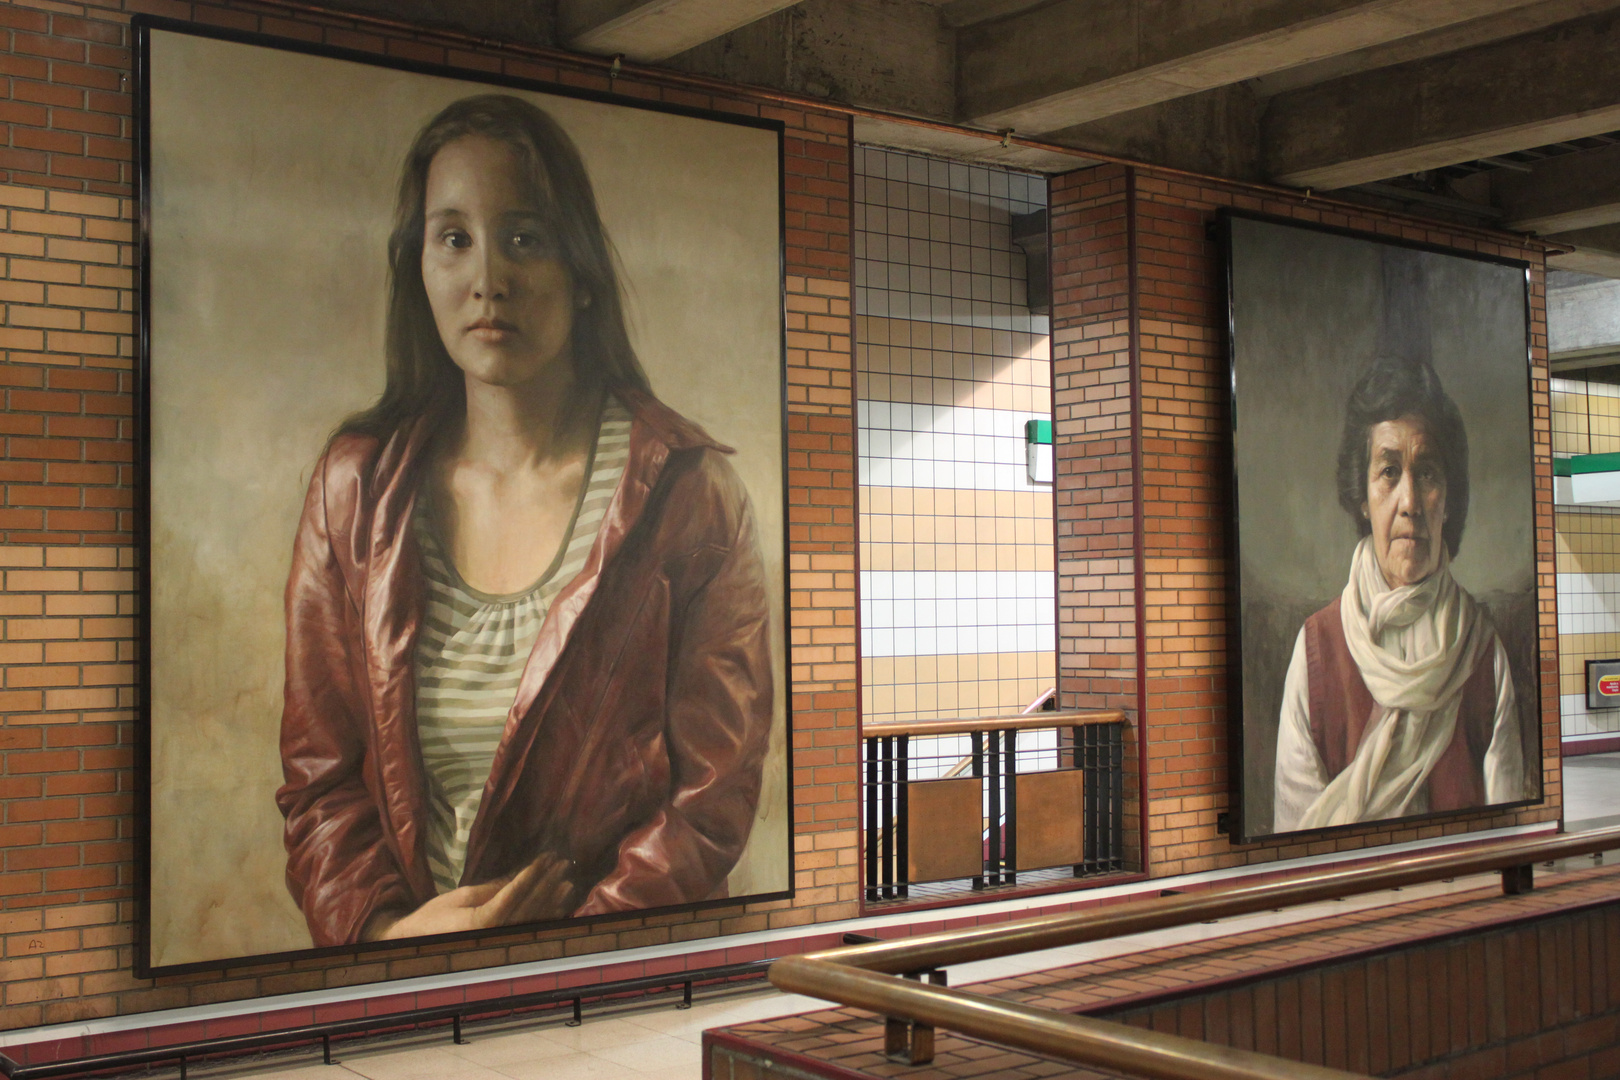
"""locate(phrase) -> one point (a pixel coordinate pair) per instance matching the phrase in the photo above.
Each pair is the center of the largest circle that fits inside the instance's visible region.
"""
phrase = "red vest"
(1341, 708)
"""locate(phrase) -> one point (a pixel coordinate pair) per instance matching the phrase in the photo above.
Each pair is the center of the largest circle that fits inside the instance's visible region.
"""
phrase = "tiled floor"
(645, 1041)
(1592, 791)
(660, 1041)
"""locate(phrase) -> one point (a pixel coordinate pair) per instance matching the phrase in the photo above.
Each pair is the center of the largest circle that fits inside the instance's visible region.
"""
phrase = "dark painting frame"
(150, 262)
(1262, 617)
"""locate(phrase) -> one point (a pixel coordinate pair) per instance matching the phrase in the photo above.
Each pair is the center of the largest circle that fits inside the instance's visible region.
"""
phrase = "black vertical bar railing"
(888, 824)
(1116, 796)
(1009, 745)
(869, 796)
(902, 816)
(1095, 798)
(901, 754)
(978, 772)
(993, 791)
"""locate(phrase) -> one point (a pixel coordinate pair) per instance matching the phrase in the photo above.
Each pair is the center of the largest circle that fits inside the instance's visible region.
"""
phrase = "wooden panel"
(1051, 812)
(945, 829)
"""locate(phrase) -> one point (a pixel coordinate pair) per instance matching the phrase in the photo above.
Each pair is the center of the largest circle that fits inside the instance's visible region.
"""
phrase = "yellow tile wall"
(1587, 546)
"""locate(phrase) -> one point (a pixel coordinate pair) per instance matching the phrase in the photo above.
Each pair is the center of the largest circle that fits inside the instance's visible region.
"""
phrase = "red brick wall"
(66, 535)
(1536, 1000)
(67, 706)
(1176, 440)
(1094, 425)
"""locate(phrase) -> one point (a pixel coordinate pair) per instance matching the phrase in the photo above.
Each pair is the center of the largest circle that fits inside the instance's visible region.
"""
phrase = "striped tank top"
(472, 649)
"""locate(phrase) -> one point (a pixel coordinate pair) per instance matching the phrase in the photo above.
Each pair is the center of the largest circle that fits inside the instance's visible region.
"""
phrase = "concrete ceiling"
(1495, 111)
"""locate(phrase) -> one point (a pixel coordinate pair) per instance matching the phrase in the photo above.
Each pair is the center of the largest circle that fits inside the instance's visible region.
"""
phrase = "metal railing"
(452, 1017)
(996, 751)
(887, 977)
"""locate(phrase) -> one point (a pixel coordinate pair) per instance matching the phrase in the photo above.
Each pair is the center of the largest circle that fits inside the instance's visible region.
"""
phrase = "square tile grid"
(1588, 564)
(958, 609)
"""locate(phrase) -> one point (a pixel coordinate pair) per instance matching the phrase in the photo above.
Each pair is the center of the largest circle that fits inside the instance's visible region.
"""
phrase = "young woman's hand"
(539, 892)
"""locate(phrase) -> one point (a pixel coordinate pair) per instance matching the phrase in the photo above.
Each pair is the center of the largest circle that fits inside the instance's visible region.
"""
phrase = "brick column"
(1094, 436)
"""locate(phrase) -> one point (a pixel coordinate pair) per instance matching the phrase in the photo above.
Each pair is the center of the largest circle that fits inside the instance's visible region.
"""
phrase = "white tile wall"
(1582, 386)
(1580, 722)
(943, 446)
(933, 243)
(1588, 603)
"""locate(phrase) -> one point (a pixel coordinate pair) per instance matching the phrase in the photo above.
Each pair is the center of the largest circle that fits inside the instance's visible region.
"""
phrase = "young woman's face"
(503, 302)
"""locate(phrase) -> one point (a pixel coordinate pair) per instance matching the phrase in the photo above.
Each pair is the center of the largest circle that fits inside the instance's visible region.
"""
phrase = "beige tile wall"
(954, 529)
(1586, 417)
(1586, 420)
(1588, 554)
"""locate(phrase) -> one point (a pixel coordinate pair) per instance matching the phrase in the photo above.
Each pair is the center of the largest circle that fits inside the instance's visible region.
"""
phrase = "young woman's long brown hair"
(421, 378)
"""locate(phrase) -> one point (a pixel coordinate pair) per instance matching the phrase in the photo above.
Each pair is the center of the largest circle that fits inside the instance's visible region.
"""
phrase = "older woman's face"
(502, 300)
(1406, 500)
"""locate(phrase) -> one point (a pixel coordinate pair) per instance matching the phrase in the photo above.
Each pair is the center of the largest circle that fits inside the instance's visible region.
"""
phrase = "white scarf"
(1416, 647)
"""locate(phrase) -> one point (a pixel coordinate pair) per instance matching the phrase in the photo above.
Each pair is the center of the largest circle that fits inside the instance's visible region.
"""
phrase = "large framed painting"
(464, 542)
(1383, 530)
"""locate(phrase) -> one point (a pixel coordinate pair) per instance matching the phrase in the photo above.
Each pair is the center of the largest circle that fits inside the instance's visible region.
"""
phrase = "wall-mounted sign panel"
(1603, 684)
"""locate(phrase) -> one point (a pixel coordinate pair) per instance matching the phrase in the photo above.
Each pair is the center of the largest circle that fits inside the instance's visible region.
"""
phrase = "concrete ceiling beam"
(959, 13)
(1562, 194)
(1075, 61)
(1550, 86)
(1597, 251)
(1465, 35)
(649, 30)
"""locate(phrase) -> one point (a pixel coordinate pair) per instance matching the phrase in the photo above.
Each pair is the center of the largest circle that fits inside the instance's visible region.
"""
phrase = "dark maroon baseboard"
(1578, 747)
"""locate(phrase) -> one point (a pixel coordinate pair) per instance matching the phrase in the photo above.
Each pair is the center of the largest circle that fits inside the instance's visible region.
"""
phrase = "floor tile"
(493, 1051)
(648, 1055)
(578, 1066)
(595, 1034)
(413, 1064)
(1592, 791)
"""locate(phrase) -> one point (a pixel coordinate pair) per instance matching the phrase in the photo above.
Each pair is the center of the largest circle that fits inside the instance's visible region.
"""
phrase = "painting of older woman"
(1398, 699)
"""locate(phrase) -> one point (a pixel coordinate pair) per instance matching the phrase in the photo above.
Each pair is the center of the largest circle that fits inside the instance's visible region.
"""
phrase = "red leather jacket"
(635, 743)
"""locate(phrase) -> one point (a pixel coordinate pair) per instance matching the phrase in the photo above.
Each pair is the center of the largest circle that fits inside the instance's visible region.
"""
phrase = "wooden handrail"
(863, 975)
(930, 951)
(1031, 722)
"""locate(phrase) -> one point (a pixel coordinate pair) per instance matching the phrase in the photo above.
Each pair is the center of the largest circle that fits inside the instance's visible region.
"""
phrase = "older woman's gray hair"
(1388, 390)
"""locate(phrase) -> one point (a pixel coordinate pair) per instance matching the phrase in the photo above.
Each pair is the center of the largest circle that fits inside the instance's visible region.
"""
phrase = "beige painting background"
(272, 184)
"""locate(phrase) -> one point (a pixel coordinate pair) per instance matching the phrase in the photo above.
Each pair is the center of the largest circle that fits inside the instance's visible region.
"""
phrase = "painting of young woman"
(529, 631)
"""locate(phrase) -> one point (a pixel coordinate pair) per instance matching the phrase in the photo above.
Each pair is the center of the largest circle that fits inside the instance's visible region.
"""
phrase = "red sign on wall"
(1603, 684)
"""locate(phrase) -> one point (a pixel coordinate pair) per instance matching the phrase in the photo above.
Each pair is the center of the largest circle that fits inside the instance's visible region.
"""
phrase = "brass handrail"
(863, 975)
(1018, 722)
(1080, 1039)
